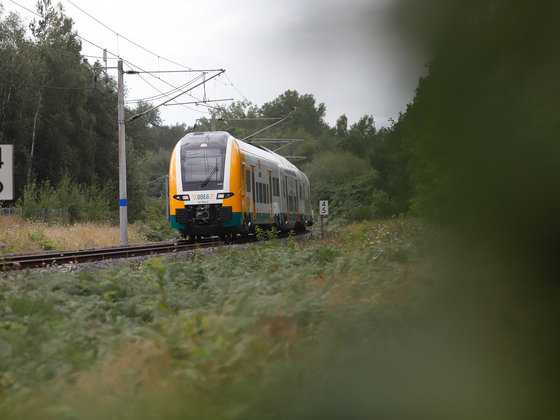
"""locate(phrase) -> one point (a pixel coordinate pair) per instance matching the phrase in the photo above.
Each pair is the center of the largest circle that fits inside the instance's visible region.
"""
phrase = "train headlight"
(182, 197)
(222, 196)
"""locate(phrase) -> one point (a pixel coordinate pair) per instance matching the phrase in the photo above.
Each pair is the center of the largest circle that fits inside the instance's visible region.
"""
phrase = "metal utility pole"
(123, 212)
(213, 126)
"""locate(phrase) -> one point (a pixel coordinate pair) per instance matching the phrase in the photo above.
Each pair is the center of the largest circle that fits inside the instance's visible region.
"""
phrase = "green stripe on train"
(235, 221)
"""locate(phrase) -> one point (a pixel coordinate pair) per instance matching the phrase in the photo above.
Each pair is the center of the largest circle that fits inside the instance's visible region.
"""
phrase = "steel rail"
(52, 258)
(46, 259)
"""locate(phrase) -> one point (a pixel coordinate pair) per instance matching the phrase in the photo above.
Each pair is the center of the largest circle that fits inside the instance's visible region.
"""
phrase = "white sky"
(342, 52)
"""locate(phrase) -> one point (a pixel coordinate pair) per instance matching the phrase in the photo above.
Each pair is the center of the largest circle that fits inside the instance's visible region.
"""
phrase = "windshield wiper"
(207, 180)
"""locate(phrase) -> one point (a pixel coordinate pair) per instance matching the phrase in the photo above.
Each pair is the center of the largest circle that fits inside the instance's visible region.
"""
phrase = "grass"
(23, 236)
(364, 323)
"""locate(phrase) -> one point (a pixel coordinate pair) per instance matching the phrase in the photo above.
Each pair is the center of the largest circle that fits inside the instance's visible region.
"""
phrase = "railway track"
(46, 259)
(51, 258)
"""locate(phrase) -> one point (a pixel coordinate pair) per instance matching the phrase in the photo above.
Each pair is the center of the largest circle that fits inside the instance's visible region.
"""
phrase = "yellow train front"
(219, 185)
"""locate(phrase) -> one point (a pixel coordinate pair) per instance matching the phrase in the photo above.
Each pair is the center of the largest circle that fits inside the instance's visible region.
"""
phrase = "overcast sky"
(344, 53)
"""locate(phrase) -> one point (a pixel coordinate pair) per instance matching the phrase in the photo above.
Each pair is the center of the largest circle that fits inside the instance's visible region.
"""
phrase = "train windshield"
(202, 163)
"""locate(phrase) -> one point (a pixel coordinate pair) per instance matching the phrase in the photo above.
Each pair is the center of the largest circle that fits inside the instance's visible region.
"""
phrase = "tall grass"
(23, 235)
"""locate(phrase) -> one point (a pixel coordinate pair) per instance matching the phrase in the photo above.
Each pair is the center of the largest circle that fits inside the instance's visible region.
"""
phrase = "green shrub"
(79, 202)
(154, 224)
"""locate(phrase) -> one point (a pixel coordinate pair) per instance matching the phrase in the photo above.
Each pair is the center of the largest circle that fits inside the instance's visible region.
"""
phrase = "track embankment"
(52, 258)
(48, 259)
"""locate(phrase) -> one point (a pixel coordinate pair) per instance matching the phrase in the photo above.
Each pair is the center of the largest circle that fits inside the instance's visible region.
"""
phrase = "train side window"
(276, 187)
(248, 179)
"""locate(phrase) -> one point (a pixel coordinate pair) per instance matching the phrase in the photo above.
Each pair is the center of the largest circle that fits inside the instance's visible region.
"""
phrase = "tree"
(342, 126)
(63, 140)
(301, 111)
(360, 136)
(19, 99)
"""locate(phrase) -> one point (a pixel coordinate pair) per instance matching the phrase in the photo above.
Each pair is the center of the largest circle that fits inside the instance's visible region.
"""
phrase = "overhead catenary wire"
(163, 94)
(125, 38)
(149, 51)
(151, 73)
(201, 102)
(169, 84)
(175, 97)
(238, 91)
(23, 7)
(178, 71)
(265, 128)
(77, 36)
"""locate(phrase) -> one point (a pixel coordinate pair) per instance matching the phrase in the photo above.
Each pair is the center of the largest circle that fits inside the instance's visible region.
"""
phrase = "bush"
(357, 199)
(82, 203)
(155, 226)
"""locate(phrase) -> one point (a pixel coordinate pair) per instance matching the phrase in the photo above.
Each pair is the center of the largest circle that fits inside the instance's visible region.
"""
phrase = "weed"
(268, 238)
(291, 241)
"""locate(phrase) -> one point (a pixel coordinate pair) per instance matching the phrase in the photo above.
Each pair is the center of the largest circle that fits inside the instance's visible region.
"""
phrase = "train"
(222, 186)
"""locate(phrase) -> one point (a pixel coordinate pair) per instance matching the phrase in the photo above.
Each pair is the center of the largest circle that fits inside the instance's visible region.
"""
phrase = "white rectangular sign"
(323, 207)
(6, 171)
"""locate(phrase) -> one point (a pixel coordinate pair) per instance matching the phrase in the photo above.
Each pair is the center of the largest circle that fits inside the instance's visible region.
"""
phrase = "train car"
(219, 185)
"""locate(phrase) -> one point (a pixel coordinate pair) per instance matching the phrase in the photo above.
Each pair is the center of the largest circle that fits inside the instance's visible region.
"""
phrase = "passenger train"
(219, 185)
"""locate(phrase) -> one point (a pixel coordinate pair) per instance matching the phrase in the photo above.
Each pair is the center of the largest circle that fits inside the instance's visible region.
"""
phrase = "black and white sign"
(323, 207)
(6, 171)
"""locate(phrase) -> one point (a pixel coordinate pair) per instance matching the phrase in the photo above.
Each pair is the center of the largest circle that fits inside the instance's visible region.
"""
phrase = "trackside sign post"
(6, 171)
(323, 212)
(323, 208)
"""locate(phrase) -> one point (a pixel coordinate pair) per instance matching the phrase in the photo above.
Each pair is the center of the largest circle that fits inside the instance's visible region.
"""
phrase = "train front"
(202, 185)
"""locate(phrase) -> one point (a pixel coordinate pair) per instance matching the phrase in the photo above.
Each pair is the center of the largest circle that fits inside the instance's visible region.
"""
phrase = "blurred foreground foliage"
(483, 142)
(219, 336)
(352, 326)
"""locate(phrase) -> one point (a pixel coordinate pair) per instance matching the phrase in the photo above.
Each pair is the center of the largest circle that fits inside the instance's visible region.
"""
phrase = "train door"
(249, 191)
(254, 193)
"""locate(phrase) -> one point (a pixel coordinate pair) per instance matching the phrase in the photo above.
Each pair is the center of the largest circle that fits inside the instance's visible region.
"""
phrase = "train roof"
(260, 151)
